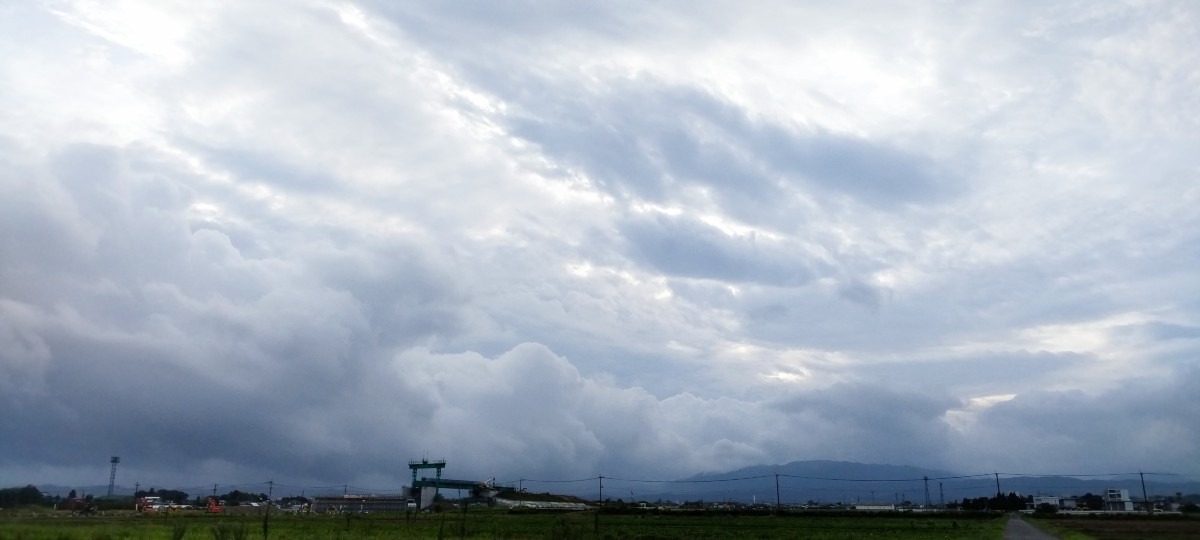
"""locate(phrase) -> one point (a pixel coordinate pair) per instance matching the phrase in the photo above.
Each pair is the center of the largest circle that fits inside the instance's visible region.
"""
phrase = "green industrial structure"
(420, 486)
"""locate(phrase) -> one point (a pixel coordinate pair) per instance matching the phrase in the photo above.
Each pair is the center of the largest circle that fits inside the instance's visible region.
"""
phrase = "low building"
(876, 507)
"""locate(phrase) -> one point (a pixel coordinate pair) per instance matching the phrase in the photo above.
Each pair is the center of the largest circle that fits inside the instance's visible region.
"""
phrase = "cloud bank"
(313, 240)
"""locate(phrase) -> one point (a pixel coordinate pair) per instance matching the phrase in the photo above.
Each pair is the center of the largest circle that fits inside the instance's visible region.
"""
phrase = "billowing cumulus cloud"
(312, 240)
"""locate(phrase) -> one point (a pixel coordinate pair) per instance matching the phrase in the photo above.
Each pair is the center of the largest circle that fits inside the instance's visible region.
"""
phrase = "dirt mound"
(525, 496)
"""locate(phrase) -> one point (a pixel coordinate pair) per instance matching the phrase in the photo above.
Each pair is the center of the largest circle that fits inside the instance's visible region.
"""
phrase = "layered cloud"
(310, 241)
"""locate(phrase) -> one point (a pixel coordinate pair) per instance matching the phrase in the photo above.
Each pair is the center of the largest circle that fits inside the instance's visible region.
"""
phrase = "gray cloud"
(687, 248)
(869, 419)
(1154, 421)
(641, 142)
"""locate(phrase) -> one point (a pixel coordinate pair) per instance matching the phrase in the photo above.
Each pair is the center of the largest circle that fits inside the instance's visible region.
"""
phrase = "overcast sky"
(312, 240)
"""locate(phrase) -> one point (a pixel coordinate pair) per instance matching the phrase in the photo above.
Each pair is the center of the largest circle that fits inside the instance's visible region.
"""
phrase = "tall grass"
(229, 531)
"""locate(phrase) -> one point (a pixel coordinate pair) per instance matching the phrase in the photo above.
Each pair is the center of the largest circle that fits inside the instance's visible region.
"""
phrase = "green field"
(500, 525)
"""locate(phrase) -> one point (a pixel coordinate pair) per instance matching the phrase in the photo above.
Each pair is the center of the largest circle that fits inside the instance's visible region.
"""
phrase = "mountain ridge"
(847, 482)
(829, 468)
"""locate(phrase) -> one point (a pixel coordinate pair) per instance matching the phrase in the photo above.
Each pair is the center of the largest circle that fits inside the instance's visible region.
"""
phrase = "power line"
(784, 485)
(563, 481)
(691, 481)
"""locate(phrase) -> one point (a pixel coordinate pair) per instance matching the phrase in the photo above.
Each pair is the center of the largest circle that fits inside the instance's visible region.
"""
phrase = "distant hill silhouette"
(829, 469)
(850, 483)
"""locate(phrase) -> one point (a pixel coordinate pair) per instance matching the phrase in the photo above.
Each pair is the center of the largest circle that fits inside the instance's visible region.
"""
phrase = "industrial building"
(421, 494)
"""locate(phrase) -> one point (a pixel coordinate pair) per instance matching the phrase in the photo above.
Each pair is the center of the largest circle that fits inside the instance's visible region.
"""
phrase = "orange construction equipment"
(79, 505)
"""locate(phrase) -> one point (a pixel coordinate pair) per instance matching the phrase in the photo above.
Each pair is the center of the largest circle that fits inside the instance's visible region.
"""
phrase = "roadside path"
(1019, 529)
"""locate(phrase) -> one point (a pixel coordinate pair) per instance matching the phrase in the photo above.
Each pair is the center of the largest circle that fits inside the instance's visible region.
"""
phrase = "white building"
(1052, 501)
(1117, 500)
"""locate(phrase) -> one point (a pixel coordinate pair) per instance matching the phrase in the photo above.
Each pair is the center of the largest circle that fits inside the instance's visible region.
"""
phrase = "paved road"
(1018, 529)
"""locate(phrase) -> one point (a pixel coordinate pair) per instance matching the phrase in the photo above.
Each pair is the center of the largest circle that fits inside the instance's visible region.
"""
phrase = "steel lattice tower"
(112, 476)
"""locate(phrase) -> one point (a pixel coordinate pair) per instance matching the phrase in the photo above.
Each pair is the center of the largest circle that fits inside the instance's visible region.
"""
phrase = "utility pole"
(777, 504)
(599, 505)
(136, 485)
(267, 514)
(927, 492)
(941, 496)
(999, 496)
(1149, 507)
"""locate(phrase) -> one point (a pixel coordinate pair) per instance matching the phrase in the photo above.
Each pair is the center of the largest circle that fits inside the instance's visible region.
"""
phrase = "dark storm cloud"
(160, 332)
(1153, 420)
(500, 27)
(255, 166)
(644, 137)
(686, 248)
(877, 174)
(872, 417)
(1160, 331)
(980, 370)
(641, 138)
(863, 293)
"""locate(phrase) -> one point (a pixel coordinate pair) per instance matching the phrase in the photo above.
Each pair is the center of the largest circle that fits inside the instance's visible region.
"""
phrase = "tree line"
(30, 495)
(1012, 501)
(23, 496)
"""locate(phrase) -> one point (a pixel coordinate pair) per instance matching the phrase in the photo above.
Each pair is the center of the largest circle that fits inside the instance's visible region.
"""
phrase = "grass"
(1056, 529)
(496, 524)
(1134, 526)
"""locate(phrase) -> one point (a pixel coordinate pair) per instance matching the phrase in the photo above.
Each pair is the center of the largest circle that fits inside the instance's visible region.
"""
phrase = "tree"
(976, 504)
(235, 497)
(21, 496)
(173, 496)
(71, 495)
(1092, 502)
(167, 495)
